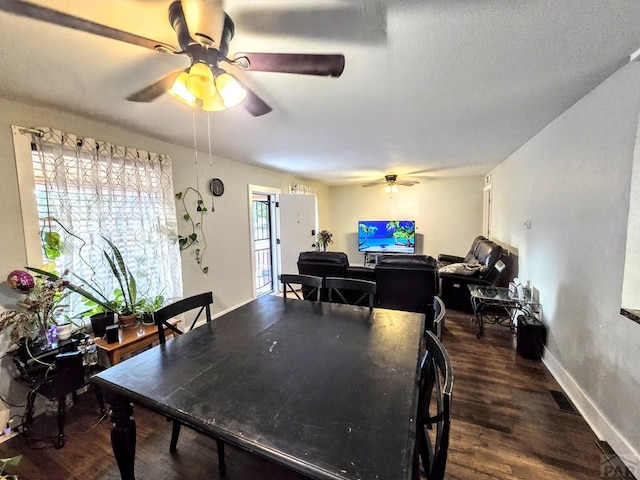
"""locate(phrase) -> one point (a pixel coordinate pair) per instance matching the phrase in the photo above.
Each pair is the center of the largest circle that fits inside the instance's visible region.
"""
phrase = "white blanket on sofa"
(467, 269)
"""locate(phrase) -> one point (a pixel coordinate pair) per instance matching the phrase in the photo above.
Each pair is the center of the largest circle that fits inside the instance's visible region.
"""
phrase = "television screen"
(386, 236)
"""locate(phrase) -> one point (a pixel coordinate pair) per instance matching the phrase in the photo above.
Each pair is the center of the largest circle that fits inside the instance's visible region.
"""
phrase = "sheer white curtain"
(87, 190)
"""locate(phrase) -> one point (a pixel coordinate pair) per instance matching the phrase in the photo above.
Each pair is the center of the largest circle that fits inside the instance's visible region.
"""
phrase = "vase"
(100, 322)
(63, 331)
(128, 322)
(42, 340)
(324, 247)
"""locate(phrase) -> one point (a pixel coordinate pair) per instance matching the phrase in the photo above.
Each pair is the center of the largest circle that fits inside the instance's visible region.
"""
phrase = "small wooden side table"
(130, 341)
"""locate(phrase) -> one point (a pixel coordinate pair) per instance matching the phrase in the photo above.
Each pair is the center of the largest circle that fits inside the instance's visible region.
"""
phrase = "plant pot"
(128, 322)
(100, 322)
(147, 319)
(63, 331)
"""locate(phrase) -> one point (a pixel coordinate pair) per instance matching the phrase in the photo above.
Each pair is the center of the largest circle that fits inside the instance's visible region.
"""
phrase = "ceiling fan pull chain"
(195, 148)
(213, 208)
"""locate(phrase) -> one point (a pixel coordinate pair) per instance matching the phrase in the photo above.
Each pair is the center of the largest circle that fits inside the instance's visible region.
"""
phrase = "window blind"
(88, 190)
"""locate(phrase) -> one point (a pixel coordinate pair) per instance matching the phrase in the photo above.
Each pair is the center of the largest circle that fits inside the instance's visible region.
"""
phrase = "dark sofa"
(407, 282)
(479, 266)
(403, 282)
(323, 264)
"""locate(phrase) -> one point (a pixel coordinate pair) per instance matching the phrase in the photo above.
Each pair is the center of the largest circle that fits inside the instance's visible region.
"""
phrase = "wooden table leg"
(123, 434)
(62, 415)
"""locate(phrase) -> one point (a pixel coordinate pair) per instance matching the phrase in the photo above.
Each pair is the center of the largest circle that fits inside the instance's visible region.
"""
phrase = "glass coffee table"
(495, 305)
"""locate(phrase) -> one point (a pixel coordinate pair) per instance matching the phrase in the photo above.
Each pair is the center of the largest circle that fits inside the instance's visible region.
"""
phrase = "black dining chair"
(439, 311)
(434, 411)
(289, 280)
(202, 303)
(161, 317)
(352, 291)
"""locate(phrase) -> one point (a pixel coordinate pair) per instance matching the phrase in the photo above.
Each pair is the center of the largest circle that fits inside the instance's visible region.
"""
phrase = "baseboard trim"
(590, 412)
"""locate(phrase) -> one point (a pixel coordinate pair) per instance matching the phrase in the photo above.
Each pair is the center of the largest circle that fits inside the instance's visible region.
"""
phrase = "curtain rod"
(33, 131)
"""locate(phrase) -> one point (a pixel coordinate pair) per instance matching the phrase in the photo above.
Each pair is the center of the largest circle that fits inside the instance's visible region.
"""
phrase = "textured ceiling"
(430, 88)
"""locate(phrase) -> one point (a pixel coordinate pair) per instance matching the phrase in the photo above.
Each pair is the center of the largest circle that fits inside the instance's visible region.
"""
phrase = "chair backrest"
(290, 279)
(434, 409)
(350, 290)
(322, 264)
(472, 253)
(69, 372)
(487, 254)
(439, 311)
(407, 282)
(161, 317)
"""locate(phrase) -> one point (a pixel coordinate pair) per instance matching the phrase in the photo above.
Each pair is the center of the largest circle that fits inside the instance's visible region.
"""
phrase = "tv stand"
(371, 259)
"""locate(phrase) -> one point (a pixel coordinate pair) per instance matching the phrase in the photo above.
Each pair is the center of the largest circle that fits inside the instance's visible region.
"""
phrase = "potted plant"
(122, 302)
(324, 238)
(37, 311)
(146, 308)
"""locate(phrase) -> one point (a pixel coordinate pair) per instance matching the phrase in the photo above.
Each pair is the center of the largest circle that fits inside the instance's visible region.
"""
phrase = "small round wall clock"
(216, 187)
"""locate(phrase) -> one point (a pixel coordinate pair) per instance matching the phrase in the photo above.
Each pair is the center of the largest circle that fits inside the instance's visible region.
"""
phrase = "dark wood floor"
(506, 425)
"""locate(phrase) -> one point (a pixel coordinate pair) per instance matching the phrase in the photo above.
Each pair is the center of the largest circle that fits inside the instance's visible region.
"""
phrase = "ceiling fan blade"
(374, 184)
(330, 65)
(253, 103)
(352, 22)
(153, 91)
(37, 12)
(406, 183)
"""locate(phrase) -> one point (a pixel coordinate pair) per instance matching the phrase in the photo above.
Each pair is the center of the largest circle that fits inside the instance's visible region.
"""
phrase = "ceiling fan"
(203, 83)
(391, 183)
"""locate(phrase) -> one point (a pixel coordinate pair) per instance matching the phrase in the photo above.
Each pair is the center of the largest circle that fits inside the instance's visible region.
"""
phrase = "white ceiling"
(430, 87)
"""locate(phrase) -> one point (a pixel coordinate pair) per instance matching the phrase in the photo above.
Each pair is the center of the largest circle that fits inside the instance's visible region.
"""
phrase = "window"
(87, 191)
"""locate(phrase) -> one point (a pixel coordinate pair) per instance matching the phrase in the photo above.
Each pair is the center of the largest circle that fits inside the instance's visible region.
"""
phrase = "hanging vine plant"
(196, 237)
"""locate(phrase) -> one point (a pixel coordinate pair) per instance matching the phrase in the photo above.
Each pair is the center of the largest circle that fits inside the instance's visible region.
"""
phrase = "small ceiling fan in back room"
(391, 183)
(204, 82)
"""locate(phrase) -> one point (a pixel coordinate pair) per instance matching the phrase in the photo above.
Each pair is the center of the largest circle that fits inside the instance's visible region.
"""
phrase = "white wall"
(226, 229)
(447, 211)
(572, 181)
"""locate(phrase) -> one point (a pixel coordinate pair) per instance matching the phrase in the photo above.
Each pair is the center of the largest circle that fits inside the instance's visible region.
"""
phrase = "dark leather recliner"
(445, 259)
(322, 264)
(407, 282)
(478, 267)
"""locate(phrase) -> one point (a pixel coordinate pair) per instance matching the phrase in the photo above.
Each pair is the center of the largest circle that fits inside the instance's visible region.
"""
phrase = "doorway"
(486, 208)
(262, 227)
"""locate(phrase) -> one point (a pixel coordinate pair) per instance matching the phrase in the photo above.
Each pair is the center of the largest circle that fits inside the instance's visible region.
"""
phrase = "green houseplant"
(324, 238)
(195, 238)
(40, 307)
(123, 301)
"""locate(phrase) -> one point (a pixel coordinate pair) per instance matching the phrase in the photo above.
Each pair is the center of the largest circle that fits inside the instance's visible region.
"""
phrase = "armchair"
(480, 266)
(447, 259)
(407, 282)
(322, 264)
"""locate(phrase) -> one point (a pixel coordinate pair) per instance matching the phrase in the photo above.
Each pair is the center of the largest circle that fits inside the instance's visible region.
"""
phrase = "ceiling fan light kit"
(204, 84)
(391, 183)
(214, 92)
(180, 91)
(200, 81)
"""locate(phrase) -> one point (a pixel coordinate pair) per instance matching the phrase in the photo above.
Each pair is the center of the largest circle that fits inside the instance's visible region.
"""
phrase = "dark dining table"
(327, 390)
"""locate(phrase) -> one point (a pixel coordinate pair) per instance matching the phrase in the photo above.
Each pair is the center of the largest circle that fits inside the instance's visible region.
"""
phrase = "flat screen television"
(386, 236)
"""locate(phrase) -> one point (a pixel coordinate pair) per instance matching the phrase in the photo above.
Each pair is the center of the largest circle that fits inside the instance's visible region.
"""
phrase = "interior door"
(297, 220)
